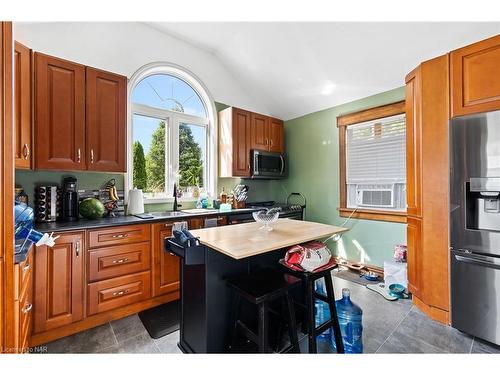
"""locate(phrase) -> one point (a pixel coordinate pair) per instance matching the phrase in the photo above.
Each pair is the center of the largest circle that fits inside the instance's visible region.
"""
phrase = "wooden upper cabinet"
(59, 114)
(106, 95)
(241, 143)
(240, 132)
(166, 267)
(234, 142)
(59, 282)
(475, 77)
(413, 143)
(276, 135)
(23, 147)
(259, 132)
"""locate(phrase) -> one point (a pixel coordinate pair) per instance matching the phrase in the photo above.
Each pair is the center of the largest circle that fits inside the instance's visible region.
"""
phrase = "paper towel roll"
(135, 202)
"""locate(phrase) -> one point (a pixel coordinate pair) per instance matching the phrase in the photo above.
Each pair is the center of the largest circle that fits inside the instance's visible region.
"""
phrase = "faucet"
(176, 205)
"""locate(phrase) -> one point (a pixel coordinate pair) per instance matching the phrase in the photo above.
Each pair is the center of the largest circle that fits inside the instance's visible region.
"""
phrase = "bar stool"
(309, 279)
(261, 289)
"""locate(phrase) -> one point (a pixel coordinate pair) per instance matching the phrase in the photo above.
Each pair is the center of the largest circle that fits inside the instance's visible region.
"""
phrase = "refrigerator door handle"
(479, 260)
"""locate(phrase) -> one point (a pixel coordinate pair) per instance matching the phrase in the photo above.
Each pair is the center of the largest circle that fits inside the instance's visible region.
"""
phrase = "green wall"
(313, 150)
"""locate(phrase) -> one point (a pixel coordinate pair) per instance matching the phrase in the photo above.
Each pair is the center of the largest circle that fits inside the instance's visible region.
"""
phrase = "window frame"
(343, 121)
(173, 119)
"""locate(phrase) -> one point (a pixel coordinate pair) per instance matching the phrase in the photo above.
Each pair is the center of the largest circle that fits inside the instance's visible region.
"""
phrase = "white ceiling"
(299, 68)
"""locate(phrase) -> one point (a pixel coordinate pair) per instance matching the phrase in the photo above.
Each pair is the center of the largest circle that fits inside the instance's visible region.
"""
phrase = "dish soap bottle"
(350, 319)
(223, 196)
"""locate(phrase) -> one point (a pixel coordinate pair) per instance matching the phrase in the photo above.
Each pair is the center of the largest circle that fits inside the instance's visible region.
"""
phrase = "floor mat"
(161, 320)
(354, 277)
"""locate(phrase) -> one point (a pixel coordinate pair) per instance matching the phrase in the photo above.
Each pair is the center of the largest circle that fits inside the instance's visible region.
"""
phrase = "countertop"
(59, 226)
(245, 240)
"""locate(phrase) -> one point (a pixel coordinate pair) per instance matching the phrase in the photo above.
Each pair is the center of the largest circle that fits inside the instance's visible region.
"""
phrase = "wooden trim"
(346, 262)
(101, 318)
(7, 185)
(435, 313)
(342, 123)
(371, 114)
(395, 217)
(342, 167)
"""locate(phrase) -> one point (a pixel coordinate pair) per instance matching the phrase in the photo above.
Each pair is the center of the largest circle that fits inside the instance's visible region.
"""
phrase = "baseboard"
(358, 265)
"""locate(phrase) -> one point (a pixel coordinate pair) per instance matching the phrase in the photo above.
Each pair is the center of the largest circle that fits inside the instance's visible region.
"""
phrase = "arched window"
(172, 133)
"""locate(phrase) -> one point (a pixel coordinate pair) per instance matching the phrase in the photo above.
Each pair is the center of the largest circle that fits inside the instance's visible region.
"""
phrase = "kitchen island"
(225, 252)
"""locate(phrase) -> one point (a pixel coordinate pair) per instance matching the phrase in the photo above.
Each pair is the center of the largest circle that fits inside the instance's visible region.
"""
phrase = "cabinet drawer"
(120, 291)
(22, 274)
(25, 314)
(118, 235)
(116, 261)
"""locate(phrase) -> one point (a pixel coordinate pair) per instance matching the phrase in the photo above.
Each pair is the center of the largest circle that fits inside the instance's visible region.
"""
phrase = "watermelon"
(91, 208)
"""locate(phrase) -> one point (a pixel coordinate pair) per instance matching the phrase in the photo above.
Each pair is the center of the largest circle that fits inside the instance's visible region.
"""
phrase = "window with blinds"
(376, 164)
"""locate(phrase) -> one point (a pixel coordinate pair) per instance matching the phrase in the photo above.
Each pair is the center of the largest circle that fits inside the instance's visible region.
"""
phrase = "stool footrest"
(322, 327)
(247, 332)
(321, 297)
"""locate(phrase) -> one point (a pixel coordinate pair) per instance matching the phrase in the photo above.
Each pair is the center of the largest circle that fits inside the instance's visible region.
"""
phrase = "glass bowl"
(267, 218)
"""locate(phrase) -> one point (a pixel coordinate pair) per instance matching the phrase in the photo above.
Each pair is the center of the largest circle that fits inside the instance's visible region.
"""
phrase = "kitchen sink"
(168, 214)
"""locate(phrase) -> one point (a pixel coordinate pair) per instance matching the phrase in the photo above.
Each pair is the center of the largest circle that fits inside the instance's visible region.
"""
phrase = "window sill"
(379, 215)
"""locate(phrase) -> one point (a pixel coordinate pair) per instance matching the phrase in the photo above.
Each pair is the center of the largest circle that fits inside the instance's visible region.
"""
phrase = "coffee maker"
(69, 200)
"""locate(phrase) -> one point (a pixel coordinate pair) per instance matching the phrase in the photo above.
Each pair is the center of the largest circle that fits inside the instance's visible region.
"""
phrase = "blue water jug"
(322, 310)
(351, 325)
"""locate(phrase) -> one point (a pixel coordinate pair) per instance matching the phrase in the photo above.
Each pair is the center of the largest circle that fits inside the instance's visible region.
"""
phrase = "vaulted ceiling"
(298, 68)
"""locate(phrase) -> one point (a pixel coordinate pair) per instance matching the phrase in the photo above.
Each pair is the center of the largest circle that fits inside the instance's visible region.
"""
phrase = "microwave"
(268, 165)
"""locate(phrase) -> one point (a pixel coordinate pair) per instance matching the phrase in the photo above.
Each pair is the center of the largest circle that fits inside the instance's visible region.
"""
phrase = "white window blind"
(376, 151)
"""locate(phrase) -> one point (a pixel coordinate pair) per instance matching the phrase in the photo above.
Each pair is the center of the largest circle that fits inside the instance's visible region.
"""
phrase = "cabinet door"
(196, 223)
(1, 307)
(59, 282)
(166, 267)
(475, 78)
(22, 106)
(276, 135)
(241, 143)
(106, 95)
(259, 132)
(414, 255)
(413, 143)
(59, 114)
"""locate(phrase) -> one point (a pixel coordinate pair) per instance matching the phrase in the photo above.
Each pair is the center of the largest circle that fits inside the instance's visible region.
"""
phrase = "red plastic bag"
(312, 256)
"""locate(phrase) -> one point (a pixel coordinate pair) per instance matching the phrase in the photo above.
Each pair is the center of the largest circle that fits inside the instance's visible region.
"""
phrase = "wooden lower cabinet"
(196, 223)
(127, 271)
(165, 266)
(59, 282)
(413, 237)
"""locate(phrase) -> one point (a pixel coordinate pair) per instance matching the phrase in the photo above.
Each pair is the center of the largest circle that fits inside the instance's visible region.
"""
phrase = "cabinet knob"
(78, 155)
(77, 248)
(271, 142)
(121, 235)
(120, 261)
(120, 293)
(26, 267)
(92, 155)
(27, 308)
(26, 151)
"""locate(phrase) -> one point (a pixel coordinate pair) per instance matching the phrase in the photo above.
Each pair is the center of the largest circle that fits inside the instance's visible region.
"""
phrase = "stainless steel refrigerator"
(475, 224)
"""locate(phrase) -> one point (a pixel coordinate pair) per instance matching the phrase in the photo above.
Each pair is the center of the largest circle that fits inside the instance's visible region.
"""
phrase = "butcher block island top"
(246, 240)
